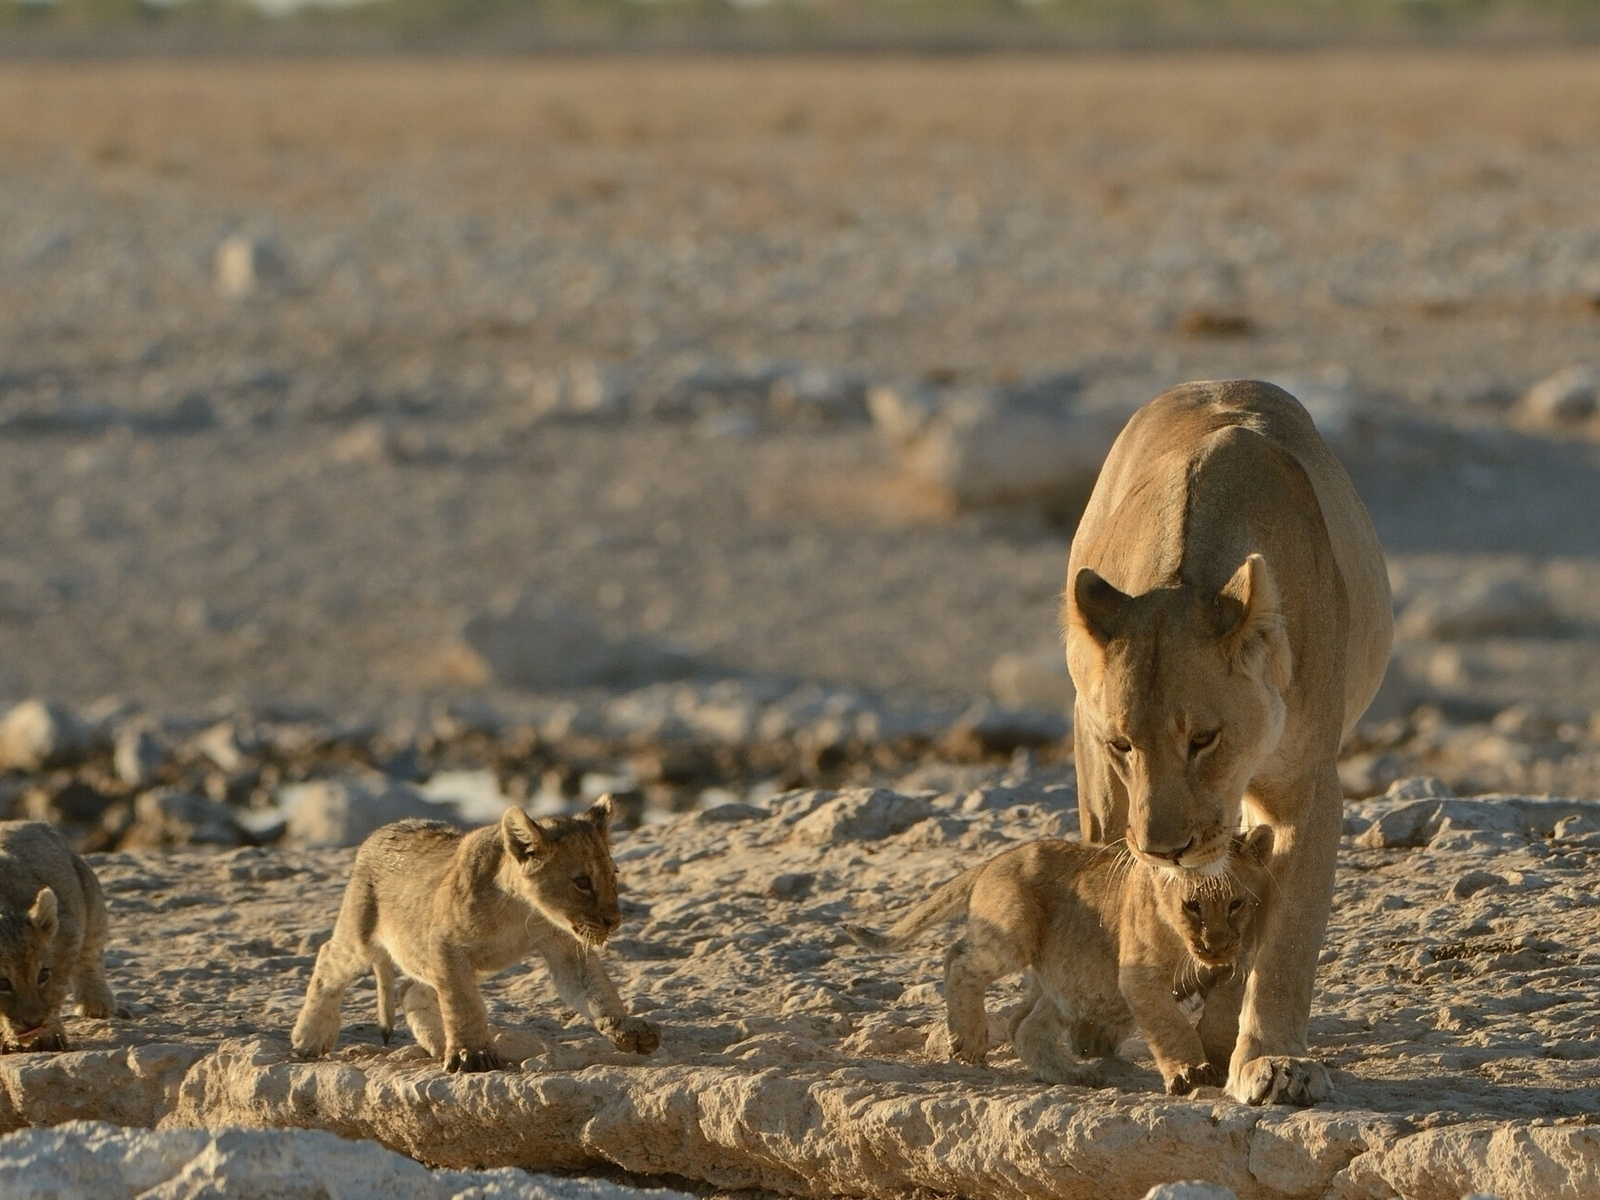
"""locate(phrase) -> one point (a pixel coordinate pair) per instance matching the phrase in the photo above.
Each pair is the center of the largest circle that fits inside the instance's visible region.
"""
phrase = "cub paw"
(633, 1034)
(1281, 1080)
(1189, 1078)
(50, 1042)
(462, 1059)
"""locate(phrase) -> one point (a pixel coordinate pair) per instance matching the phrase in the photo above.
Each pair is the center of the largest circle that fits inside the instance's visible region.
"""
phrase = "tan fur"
(1108, 943)
(1227, 621)
(52, 937)
(449, 908)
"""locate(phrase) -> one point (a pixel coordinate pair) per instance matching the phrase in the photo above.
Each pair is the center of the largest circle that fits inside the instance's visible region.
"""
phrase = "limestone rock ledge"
(815, 1130)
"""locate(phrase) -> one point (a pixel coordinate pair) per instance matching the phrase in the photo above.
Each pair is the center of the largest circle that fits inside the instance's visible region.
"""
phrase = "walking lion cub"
(449, 908)
(1107, 942)
(52, 937)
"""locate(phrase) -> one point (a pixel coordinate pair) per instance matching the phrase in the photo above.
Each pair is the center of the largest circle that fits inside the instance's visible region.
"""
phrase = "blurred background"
(698, 399)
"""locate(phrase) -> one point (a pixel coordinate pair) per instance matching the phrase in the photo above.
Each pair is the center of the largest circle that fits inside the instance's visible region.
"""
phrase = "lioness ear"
(1097, 605)
(600, 813)
(44, 913)
(1258, 843)
(1250, 621)
(523, 839)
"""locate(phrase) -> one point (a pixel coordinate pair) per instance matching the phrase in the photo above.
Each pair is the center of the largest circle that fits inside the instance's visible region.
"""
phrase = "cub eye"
(5, 987)
(1202, 741)
(584, 884)
(1235, 906)
(1120, 745)
(1192, 907)
(44, 976)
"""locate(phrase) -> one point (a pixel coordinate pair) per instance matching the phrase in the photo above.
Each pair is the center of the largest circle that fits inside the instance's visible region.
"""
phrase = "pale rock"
(1037, 680)
(1481, 606)
(345, 810)
(1474, 882)
(987, 446)
(1421, 822)
(1569, 397)
(166, 817)
(861, 815)
(541, 642)
(1190, 1189)
(39, 733)
(244, 263)
(138, 754)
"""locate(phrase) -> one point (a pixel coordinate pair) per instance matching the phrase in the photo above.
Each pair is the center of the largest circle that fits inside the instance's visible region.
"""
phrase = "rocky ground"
(387, 438)
(1455, 1002)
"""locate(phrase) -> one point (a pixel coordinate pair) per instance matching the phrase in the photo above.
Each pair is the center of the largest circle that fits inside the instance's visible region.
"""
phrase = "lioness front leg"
(1180, 1056)
(465, 1017)
(581, 980)
(1269, 1064)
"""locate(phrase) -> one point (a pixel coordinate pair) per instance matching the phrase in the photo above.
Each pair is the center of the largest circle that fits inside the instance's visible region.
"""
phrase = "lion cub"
(52, 935)
(1107, 942)
(450, 908)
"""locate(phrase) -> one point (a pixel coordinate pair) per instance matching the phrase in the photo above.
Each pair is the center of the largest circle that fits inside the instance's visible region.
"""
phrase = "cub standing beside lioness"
(1107, 943)
(450, 908)
(1227, 621)
(52, 936)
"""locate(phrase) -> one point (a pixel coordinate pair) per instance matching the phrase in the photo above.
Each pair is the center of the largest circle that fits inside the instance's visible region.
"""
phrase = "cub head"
(1183, 692)
(1216, 914)
(30, 993)
(564, 869)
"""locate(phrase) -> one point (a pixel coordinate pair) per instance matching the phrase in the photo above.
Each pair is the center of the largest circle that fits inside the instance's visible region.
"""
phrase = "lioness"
(1107, 943)
(449, 908)
(52, 936)
(1227, 621)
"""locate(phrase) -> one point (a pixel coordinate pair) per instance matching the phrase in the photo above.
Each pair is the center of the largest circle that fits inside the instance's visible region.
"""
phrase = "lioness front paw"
(1281, 1080)
(1189, 1078)
(462, 1059)
(973, 1051)
(633, 1034)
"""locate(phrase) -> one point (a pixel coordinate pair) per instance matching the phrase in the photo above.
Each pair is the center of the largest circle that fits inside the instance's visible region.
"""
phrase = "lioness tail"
(946, 904)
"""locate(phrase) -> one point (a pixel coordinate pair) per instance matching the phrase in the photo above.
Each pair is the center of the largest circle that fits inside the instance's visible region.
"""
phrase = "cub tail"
(946, 904)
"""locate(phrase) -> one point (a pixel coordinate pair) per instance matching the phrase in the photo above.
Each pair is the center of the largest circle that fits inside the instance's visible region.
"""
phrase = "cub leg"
(1038, 1044)
(89, 974)
(383, 968)
(465, 1015)
(421, 1004)
(1173, 1042)
(969, 969)
(1219, 1023)
(340, 962)
(581, 981)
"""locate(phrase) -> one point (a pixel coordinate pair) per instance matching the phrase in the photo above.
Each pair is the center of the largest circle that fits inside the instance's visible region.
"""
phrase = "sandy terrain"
(517, 358)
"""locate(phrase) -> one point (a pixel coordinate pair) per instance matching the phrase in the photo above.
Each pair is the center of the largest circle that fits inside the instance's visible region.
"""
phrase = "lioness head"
(1216, 914)
(30, 994)
(1184, 691)
(565, 869)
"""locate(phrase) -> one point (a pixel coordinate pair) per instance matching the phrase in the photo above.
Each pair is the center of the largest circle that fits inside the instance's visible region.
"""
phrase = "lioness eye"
(1202, 741)
(5, 987)
(44, 975)
(583, 883)
(1121, 745)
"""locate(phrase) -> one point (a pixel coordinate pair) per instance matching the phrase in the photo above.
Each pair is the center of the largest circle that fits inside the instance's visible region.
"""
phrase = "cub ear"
(1258, 843)
(601, 812)
(1250, 622)
(1097, 606)
(45, 912)
(523, 838)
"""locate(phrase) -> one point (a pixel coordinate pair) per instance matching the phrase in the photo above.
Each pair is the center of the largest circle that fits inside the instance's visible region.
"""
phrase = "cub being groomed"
(449, 908)
(52, 936)
(1107, 942)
